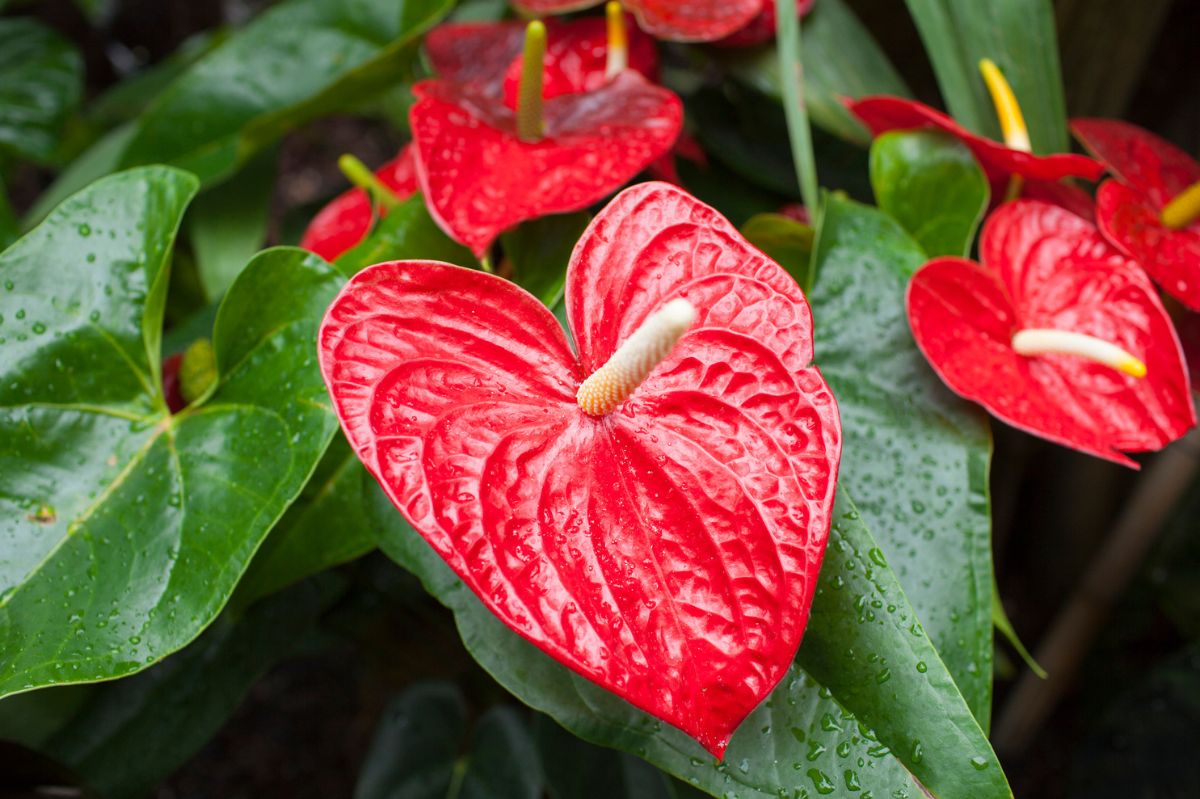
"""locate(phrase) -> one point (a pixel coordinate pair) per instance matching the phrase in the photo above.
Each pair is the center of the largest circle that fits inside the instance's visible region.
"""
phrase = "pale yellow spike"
(614, 382)
(1040, 341)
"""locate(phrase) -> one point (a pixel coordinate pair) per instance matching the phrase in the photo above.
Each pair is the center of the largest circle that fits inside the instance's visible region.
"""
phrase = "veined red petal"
(1144, 161)
(674, 20)
(344, 222)
(668, 551)
(480, 179)
(882, 114)
(1044, 267)
(761, 29)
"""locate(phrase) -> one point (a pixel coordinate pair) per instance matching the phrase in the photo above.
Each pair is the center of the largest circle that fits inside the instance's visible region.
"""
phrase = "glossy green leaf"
(538, 252)
(915, 456)
(123, 529)
(788, 242)
(41, 81)
(1019, 36)
(97, 161)
(840, 59)
(296, 61)
(228, 224)
(931, 184)
(867, 707)
(408, 231)
(134, 733)
(416, 751)
(325, 527)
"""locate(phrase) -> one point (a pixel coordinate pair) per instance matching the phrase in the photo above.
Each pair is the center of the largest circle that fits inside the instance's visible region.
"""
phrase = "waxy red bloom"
(1046, 269)
(762, 28)
(1000, 162)
(346, 220)
(675, 20)
(1150, 172)
(666, 548)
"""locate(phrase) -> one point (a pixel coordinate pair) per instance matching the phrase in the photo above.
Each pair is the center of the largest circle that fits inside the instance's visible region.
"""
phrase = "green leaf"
(503, 760)
(915, 456)
(1019, 36)
(867, 686)
(123, 529)
(1001, 621)
(408, 231)
(788, 242)
(10, 229)
(298, 60)
(931, 184)
(227, 224)
(575, 769)
(326, 527)
(538, 253)
(840, 59)
(134, 733)
(97, 161)
(41, 82)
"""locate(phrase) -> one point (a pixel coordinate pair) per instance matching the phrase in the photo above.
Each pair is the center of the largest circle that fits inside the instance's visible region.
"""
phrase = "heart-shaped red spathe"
(1150, 173)
(479, 178)
(1044, 267)
(883, 113)
(674, 20)
(487, 55)
(346, 220)
(668, 551)
(762, 28)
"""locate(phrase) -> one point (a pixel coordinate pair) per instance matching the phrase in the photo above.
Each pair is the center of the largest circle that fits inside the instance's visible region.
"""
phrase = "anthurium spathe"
(1151, 212)
(347, 218)
(1056, 333)
(674, 20)
(761, 29)
(652, 512)
(484, 166)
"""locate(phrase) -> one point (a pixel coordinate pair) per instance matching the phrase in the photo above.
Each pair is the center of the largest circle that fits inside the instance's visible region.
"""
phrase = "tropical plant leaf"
(1019, 36)
(788, 242)
(931, 184)
(408, 231)
(867, 707)
(296, 61)
(538, 252)
(125, 528)
(915, 456)
(41, 82)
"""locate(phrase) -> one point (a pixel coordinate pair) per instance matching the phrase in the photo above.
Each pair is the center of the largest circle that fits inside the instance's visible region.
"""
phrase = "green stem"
(362, 177)
(529, 90)
(799, 133)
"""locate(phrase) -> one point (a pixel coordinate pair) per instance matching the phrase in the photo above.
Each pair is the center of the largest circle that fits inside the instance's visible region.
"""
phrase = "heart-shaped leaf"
(931, 184)
(667, 551)
(867, 708)
(917, 457)
(125, 528)
(41, 81)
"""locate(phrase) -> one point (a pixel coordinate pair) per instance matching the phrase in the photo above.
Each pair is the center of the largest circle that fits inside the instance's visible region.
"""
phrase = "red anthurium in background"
(761, 29)
(1056, 333)
(651, 513)
(1151, 212)
(1002, 163)
(674, 20)
(484, 166)
(347, 219)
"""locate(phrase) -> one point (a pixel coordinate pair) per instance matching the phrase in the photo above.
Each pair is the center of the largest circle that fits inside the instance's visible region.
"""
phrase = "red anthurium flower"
(1050, 332)
(1152, 211)
(347, 219)
(484, 167)
(651, 513)
(172, 391)
(761, 29)
(675, 20)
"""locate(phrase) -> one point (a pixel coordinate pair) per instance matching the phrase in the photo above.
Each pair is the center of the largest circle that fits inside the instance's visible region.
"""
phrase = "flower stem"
(358, 174)
(799, 132)
(530, 122)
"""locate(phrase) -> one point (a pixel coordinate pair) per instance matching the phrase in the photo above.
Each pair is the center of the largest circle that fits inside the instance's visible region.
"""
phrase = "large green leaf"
(538, 251)
(408, 231)
(41, 81)
(931, 184)
(788, 242)
(123, 529)
(840, 60)
(10, 230)
(915, 456)
(575, 769)
(868, 706)
(298, 60)
(1019, 36)
(133, 733)
(94, 163)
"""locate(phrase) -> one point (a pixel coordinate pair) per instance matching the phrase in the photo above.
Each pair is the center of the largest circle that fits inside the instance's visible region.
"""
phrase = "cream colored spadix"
(1041, 341)
(1008, 110)
(618, 41)
(1184, 208)
(613, 383)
